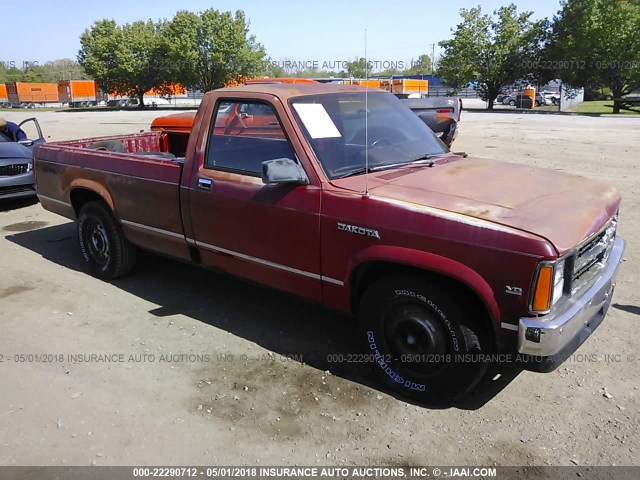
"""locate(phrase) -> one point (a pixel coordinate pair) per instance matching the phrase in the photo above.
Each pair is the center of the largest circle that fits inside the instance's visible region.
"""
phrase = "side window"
(244, 135)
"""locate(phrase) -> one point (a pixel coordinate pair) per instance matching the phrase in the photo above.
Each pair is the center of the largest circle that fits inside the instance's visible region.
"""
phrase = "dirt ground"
(199, 368)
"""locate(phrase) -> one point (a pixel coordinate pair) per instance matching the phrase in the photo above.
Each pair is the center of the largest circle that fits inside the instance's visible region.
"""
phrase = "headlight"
(548, 285)
(558, 281)
(29, 166)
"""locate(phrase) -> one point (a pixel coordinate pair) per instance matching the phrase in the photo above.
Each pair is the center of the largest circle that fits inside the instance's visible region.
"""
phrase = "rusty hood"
(565, 209)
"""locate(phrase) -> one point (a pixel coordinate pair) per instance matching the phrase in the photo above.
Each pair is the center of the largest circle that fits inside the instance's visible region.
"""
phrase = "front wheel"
(422, 341)
(105, 249)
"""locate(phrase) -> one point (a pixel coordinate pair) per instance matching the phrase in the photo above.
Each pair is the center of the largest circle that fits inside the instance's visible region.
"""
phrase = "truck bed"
(142, 190)
(441, 114)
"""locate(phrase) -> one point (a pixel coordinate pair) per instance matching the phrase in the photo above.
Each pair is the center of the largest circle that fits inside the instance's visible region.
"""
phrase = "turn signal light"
(542, 293)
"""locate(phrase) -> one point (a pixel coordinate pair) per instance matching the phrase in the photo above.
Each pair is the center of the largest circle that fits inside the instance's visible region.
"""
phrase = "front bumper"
(17, 186)
(545, 342)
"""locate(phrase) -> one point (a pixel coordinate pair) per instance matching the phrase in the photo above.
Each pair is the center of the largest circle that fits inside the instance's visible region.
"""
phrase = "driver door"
(266, 233)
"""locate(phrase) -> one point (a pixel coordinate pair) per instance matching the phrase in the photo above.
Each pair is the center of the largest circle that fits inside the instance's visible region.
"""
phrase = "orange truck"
(407, 86)
(27, 92)
(397, 86)
(78, 93)
(4, 96)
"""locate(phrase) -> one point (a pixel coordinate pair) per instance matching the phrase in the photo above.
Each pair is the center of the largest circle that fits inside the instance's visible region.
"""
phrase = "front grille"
(12, 190)
(10, 170)
(591, 257)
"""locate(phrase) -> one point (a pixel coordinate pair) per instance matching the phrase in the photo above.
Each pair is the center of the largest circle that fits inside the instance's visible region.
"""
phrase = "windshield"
(341, 130)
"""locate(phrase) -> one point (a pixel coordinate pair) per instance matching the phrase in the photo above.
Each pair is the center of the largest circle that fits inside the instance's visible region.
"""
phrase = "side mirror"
(283, 170)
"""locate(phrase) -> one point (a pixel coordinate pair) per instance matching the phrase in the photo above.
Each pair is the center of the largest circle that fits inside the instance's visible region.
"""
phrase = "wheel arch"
(382, 261)
(84, 191)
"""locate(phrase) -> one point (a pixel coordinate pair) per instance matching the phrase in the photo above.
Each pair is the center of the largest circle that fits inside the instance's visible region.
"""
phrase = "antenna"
(366, 117)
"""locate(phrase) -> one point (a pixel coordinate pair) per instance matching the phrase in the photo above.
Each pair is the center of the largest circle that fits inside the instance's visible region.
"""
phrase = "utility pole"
(433, 58)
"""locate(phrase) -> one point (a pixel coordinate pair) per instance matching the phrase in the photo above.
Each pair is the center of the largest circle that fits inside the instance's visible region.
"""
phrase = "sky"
(302, 31)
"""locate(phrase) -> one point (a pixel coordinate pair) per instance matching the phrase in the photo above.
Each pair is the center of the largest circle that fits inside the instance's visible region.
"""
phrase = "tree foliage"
(60, 69)
(201, 51)
(421, 66)
(213, 48)
(493, 51)
(359, 68)
(126, 60)
(596, 44)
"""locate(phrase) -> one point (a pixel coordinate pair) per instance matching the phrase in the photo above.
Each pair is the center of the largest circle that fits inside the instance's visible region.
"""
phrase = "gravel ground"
(199, 368)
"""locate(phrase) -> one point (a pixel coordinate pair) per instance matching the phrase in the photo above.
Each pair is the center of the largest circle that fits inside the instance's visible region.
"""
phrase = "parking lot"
(176, 365)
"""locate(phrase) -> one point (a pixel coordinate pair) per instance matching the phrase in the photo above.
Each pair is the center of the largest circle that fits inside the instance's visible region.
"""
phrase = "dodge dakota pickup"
(345, 197)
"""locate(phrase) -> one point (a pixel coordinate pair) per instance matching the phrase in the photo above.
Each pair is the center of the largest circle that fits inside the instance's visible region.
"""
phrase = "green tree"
(126, 60)
(597, 41)
(359, 68)
(493, 51)
(421, 66)
(64, 69)
(102, 49)
(273, 69)
(210, 49)
(33, 73)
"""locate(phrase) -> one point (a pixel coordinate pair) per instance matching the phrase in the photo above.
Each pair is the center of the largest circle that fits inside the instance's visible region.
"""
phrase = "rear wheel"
(104, 247)
(421, 340)
(512, 103)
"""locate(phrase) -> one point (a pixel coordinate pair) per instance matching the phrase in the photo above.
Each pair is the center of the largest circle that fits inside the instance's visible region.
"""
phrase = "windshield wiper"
(359, 171)
(427, 158)
(422, 158)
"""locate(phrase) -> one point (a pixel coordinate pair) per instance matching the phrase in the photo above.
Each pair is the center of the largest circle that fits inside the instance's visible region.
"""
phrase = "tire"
(105, 249)
(421, 340)
(512, 103)
(109, 146)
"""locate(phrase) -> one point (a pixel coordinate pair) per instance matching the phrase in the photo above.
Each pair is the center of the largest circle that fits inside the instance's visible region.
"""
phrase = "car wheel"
(420, 340)
(512, 103)
(104, 247)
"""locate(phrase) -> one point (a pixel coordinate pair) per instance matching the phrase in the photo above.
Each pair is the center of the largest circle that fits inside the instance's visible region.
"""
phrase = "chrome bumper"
(561, 333)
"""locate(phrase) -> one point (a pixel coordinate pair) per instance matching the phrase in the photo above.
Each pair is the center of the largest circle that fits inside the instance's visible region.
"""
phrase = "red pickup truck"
(345, 197)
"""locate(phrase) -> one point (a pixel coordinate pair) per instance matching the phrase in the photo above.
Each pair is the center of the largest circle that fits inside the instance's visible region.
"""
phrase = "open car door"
(34, 133)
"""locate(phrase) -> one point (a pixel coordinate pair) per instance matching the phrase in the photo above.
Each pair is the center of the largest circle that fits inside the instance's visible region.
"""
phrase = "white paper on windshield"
(317, 120)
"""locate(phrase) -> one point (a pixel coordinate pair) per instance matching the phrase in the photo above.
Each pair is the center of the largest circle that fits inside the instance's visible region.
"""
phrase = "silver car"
(16, 164)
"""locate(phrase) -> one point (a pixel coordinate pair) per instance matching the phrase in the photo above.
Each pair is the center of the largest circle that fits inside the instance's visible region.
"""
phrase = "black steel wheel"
(421, 340)
(104, 247)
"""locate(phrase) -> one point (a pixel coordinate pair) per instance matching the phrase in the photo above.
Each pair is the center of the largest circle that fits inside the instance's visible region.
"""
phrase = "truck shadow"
(9, 205)
(279, 322)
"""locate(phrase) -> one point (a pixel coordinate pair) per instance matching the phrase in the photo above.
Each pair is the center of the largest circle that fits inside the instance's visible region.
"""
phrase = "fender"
(94, 187)
(431, 262)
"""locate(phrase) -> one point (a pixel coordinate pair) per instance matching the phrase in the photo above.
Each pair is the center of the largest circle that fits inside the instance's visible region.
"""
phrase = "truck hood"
(565, 209)
(13, 150)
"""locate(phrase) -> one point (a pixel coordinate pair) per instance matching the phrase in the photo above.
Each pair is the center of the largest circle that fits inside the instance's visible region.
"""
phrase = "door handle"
(204, 184)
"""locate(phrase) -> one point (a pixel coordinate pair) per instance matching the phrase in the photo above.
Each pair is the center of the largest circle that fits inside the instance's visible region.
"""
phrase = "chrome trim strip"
(304, 273)
(331, 280)
(153, 229)
(54, 200)
(509, 326)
